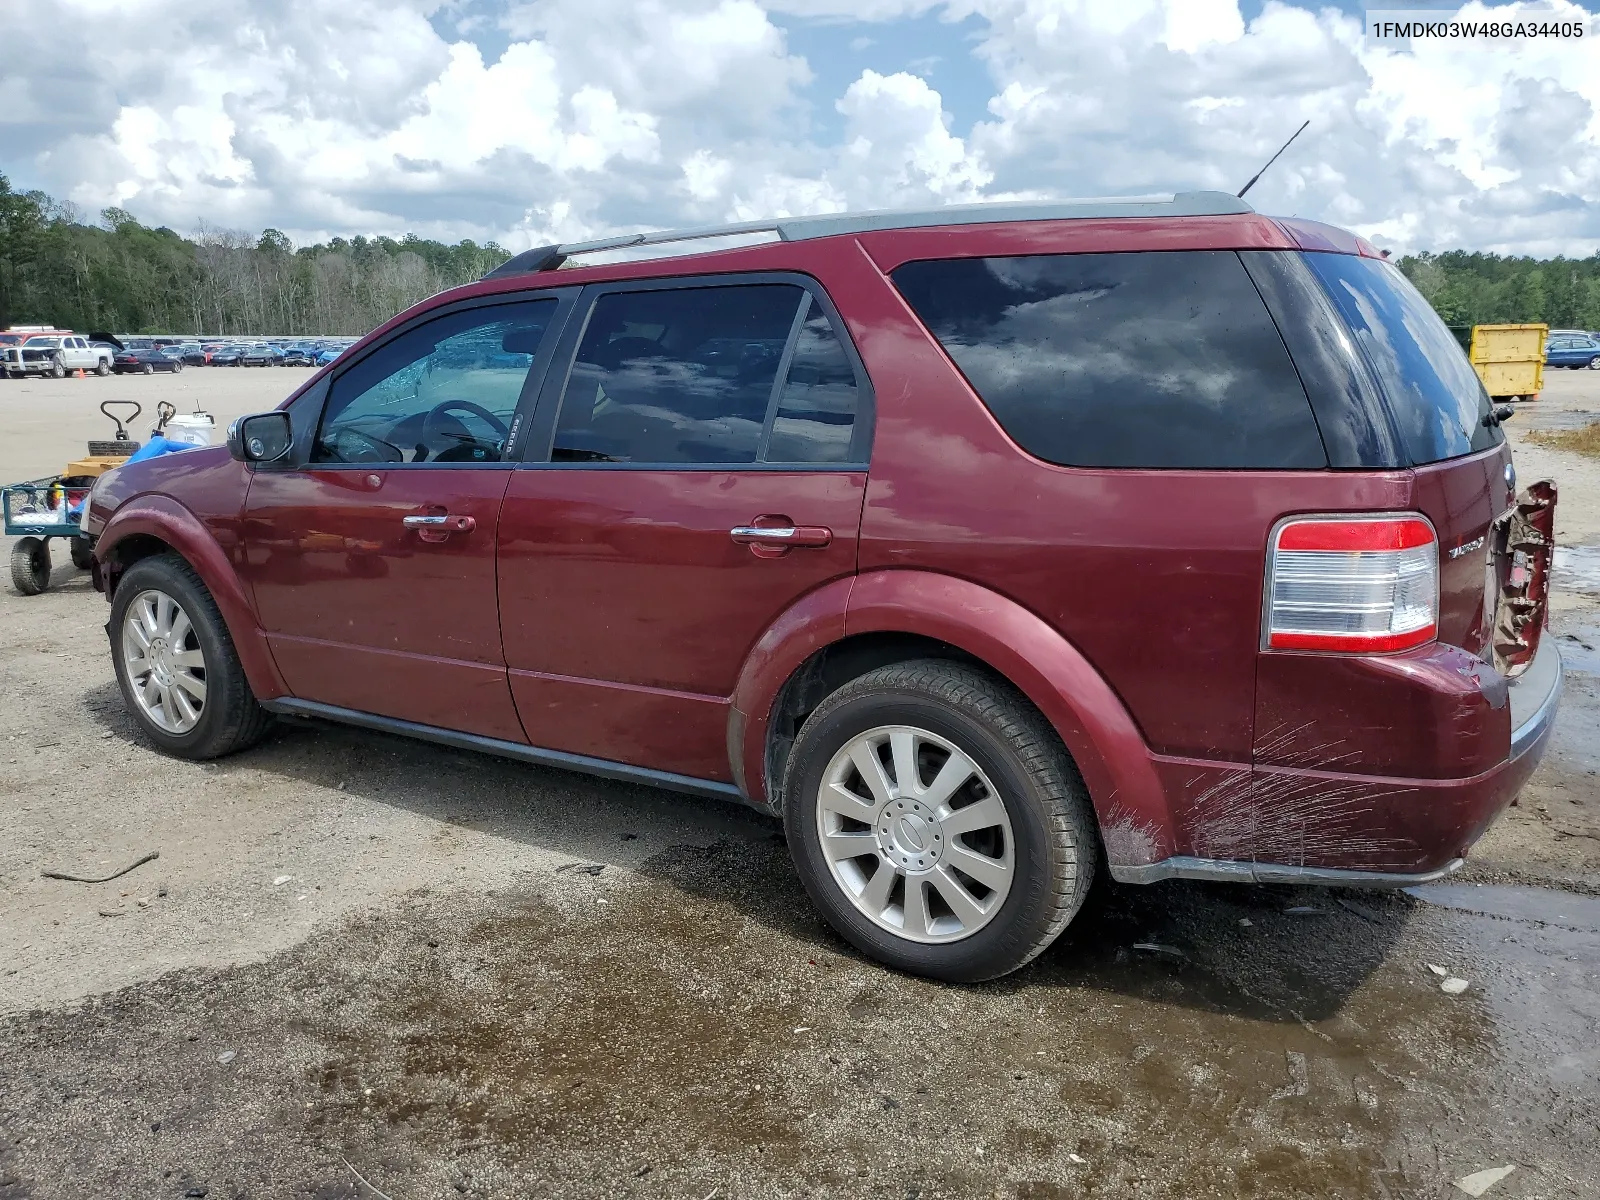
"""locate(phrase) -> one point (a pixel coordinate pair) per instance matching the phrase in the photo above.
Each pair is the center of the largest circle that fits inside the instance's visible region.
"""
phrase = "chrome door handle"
(814, 536)
(444, 523)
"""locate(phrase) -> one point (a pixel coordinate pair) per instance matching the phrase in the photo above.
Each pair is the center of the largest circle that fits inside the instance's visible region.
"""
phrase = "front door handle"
(437, 527)
(443, 523)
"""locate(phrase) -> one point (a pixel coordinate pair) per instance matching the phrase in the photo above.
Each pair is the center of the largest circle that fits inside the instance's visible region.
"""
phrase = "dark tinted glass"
(1434, 396)
(445, 391)
(676, 375)
(1160, 359)
(1349, 407)
(816, 414)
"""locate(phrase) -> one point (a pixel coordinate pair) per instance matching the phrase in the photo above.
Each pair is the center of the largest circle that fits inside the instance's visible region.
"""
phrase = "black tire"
(148, 369)
(82, 553)
(1053, 826)
(176, 367)
(231, 719)
(102, 368)
(58, 369)
(30, 565)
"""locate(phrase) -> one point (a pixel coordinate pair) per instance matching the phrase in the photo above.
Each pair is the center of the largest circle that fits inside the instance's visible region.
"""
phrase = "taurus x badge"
(1466, 547)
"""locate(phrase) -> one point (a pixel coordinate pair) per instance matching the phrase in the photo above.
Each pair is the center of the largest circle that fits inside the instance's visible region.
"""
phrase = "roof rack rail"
(798, 229)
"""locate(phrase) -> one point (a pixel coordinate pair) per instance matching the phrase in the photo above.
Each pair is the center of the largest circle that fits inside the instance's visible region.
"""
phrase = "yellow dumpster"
(1509, 359)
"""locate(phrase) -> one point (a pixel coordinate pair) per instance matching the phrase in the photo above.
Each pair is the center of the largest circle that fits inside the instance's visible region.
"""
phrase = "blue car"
(1572, 350)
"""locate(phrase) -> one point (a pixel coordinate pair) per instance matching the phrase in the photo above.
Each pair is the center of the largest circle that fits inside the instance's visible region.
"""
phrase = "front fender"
(162, 517)
(1091, 720)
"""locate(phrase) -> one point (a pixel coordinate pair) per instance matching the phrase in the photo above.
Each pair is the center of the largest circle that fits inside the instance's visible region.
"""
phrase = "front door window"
(443, 392)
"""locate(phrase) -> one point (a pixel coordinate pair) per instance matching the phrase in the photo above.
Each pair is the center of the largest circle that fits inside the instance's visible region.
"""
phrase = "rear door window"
(1434, 397)
(1154, 359)
(725, 375)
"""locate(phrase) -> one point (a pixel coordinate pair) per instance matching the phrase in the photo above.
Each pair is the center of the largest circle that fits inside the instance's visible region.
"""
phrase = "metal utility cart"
(41, 509)
(37, 511)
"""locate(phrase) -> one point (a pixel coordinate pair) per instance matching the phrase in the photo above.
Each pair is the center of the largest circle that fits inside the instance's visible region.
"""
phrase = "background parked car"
(1572, 350)
(55, 355)
(259, 355)
(147, 362)
(299, 354)
(193, 354)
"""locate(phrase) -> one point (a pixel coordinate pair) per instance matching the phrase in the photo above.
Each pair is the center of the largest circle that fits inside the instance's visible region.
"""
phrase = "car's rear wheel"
(176, 367)
(1594, 364)
(176, 665)
(937, 821)
(148, 370)
(102, 368)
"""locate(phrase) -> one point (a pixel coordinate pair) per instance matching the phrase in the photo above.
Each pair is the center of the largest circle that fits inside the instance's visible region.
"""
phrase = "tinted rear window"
(1434, 396)
(1154, 359)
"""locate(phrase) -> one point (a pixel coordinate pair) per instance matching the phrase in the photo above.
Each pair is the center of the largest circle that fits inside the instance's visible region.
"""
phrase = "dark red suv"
(984, 546)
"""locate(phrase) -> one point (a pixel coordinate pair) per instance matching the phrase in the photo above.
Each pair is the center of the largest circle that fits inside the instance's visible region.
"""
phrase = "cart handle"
(105, 407)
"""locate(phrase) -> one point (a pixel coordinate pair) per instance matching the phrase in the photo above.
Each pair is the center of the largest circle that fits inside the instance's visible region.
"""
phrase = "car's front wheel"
(176, 665)
(937, 822)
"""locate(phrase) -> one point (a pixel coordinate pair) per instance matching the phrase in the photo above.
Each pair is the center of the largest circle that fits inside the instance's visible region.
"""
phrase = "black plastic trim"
(604, 768)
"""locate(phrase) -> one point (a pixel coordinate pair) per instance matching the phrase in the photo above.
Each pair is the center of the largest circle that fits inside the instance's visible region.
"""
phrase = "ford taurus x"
(990, 548)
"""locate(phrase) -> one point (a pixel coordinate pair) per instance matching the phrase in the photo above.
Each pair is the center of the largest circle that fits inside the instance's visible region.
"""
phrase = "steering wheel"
(466, 406)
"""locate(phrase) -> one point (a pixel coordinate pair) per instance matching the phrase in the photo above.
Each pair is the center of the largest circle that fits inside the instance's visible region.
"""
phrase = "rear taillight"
(1354, 585)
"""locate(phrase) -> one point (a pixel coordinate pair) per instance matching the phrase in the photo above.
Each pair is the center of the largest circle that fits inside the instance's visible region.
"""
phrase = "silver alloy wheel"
(162, 657)
(915, 834)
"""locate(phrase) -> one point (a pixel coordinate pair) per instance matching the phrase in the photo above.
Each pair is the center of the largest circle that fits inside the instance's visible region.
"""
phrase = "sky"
(535, 121)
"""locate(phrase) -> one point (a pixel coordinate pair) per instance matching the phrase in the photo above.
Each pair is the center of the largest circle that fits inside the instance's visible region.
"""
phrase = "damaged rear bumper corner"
(1535, 698)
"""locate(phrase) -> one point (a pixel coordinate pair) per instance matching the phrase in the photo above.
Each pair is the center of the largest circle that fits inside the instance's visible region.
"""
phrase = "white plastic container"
(195, 428)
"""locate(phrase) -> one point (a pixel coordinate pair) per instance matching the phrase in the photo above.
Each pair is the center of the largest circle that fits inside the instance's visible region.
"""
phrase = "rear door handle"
(782, 537)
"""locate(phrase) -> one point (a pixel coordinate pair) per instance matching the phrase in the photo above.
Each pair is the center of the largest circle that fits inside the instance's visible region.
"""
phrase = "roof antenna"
(1271, 160)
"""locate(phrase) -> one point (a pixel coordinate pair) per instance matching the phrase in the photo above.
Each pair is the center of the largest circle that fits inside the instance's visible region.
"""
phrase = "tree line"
(121, 276)
(1468, 288)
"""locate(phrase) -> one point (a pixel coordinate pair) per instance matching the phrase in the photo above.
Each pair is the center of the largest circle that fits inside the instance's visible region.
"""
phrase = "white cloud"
(338, 116)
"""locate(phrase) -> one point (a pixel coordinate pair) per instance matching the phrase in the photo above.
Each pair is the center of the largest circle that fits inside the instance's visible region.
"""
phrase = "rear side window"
(723, 375)
(1154, 359)
(1434, 397)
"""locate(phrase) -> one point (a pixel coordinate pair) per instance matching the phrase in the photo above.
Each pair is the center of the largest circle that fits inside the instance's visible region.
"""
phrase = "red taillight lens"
(1353, 585)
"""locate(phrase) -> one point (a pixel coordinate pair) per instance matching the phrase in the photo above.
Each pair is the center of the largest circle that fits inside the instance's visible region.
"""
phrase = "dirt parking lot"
(366, 966)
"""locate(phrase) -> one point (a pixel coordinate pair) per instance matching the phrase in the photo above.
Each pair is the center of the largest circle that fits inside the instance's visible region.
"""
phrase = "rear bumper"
(1377, 832)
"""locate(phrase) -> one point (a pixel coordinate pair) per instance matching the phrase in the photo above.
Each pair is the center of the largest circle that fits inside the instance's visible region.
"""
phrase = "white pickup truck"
(55, 354)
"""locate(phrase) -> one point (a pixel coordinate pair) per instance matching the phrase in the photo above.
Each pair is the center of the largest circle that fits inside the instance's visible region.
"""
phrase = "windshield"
(1434, 396)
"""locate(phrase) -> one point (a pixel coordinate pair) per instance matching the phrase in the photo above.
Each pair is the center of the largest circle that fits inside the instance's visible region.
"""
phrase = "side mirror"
(262, 438)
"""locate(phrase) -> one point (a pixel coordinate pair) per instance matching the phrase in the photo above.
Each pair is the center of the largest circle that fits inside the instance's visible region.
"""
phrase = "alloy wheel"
(915, 834)
(166, 669)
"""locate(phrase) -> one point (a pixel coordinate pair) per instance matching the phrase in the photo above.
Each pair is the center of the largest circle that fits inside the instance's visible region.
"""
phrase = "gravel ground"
(458, 975)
